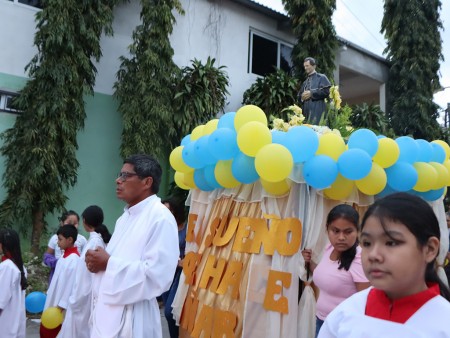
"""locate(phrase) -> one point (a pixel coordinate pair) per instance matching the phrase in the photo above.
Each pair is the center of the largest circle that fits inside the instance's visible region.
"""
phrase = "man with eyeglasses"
(140, 260)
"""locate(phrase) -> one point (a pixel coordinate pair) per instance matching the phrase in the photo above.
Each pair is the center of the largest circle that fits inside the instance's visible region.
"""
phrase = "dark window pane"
(285, 58)
(264, 55)
(34, 3)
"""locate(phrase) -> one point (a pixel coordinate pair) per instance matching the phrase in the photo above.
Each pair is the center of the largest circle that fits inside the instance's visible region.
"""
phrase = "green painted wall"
(98, 155)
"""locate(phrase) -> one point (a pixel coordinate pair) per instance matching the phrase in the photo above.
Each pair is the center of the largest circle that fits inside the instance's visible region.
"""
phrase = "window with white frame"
(267, 53)
(6, 102)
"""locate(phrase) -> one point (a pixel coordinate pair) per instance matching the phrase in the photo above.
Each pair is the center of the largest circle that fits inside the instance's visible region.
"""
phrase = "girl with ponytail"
(13, 282)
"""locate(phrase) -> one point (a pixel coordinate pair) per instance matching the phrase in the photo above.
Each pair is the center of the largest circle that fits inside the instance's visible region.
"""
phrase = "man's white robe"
(348, 320)
(12, 302)
(144, 254)
(62, 282)
(76, 322)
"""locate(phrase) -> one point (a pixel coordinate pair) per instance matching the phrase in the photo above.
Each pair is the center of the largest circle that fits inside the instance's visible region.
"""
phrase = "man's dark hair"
(311, 60)
(68, 231)
(146, 166)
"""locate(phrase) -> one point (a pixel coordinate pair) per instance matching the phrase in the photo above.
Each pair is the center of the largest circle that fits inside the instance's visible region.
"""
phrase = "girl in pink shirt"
(339, 274)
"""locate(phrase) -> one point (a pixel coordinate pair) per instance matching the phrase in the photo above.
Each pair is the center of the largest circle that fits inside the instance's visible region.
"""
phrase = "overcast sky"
(360, 22)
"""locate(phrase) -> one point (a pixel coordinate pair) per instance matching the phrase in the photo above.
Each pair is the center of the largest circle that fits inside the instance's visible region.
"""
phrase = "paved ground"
(33, 327)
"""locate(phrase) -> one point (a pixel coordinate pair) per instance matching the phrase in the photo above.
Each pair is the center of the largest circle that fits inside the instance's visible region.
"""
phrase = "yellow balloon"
(179, 180)
(375, 182)
(447, 165)
(247, 114)
(445, 146)
(273, 162)
(189, 180)
(197, 132)
(340, 189)
(210, 127)
(331, 145)
(51, 318)
(443, 175)
(224, 176)
(387, 153)
(427, 176)
(252, 137)
(176, 160)
(276, 188)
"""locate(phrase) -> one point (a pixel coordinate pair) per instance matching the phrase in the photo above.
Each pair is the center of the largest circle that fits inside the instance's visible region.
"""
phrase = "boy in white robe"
(140, 260)
(62, 281)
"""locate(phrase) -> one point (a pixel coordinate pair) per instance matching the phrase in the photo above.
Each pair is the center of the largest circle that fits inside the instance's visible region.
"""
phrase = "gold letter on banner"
(204, 323)
(232, 277)
(190, 236)
(190, 262)
(189, 312)
(273, 288)
(221, 239)
(224, 324)
(212, 232)
(284, 227)
(249, 235)
(212, 271)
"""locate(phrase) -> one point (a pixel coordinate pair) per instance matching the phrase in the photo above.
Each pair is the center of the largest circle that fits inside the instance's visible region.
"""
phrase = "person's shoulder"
(357, 301)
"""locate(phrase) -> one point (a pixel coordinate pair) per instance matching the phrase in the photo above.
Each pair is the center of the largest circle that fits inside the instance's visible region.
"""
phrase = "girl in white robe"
(76, 323)
(400, 241)
(13, 283)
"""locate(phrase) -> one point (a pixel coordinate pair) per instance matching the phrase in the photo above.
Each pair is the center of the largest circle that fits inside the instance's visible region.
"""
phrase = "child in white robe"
(76, 322)
(62, 282)
(13, 283)
(400, 241)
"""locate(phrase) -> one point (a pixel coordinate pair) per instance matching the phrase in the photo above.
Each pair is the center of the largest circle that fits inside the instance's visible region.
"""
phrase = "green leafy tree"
(145, 86)
(40, 150)
(414, 49)
(273, 93)
(370, 116)
(201, 92)
(316, 37)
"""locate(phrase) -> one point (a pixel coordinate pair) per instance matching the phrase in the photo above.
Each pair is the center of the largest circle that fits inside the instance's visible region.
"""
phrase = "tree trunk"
(38, 228)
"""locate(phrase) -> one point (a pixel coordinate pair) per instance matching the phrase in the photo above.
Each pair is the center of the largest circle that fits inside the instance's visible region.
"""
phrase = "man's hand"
(96, 260)
(306, 95)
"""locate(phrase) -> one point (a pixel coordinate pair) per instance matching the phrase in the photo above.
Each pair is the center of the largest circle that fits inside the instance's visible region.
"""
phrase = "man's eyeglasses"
(124, 175)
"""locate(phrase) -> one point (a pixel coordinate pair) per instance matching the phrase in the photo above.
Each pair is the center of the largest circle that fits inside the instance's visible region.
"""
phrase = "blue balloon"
(438, 154)
(243, 168)
(302, 142)
(34, 302)
(210, 177)
(354, 164)
(364, 139)
(200, 180)
(223, 144)
(279, 137)
(227, 120)
(431, 195)
(425, 150)
(402, 176)
(189, 156)
(409, 150)
(320, 171)
(202, 151)
(186, 140)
